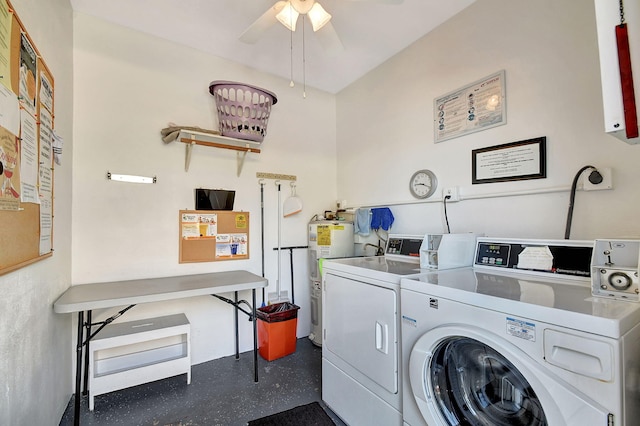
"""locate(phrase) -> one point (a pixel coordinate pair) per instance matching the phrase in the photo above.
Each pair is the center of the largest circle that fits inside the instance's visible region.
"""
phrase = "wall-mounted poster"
(477, 106)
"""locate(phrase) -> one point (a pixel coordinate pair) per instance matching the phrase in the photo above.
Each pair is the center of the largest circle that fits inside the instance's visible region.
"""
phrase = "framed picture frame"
(520, 160)
(478, 106)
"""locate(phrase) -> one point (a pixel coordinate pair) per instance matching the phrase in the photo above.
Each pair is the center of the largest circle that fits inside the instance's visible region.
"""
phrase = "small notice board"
(213, 235)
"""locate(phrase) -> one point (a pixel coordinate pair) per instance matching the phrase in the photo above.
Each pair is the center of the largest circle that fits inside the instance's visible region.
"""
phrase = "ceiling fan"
(288, 12)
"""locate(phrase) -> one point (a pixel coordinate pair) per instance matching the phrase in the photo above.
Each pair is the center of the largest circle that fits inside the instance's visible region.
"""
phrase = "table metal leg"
(235, 316)
(86, 354)
(255, 336)
(76, 408)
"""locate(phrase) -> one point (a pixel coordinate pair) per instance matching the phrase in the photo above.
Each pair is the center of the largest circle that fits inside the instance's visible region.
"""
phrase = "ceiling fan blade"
(254, 32)
(329, 40)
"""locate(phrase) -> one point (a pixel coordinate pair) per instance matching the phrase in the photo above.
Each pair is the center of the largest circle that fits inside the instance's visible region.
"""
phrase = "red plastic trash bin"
(277, 325)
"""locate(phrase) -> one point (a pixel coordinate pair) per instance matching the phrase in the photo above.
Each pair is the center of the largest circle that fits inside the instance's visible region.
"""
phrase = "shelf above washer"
(191, 138)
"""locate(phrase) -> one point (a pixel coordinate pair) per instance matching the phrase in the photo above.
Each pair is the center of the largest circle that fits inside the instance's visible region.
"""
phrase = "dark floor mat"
(304, 415)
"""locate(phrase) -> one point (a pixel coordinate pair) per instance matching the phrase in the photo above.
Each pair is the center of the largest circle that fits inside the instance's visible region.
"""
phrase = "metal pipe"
(235, 317)
(76, 408)
(279, 238)
(86, 355)
(261, 182)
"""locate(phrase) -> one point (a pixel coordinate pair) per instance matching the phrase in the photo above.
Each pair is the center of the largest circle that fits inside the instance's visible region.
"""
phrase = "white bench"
(136, 352)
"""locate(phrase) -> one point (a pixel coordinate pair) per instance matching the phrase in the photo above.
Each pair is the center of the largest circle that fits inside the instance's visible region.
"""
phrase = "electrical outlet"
(607, 181)
(453, 194)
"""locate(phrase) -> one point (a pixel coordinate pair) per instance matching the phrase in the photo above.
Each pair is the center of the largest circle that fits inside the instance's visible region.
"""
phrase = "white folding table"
(87, 297)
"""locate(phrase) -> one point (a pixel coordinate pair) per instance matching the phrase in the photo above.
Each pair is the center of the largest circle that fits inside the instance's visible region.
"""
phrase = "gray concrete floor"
(222, 393)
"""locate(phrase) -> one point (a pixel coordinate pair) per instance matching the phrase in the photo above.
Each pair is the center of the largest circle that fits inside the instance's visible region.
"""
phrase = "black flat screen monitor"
(214, 199)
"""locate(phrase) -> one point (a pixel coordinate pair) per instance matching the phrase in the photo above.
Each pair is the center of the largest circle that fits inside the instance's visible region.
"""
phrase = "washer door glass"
(474, 385)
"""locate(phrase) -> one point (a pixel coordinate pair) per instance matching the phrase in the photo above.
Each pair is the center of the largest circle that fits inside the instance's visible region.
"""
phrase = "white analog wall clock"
(423, 184)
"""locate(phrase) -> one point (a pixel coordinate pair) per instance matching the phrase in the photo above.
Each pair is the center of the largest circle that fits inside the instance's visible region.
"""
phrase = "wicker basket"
(243, 110)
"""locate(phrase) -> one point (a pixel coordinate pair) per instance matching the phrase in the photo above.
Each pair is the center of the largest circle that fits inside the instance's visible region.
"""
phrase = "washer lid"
(567, 302)
(375, 267)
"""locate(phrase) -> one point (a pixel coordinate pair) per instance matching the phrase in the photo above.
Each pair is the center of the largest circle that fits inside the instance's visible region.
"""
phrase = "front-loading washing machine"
(518, 339)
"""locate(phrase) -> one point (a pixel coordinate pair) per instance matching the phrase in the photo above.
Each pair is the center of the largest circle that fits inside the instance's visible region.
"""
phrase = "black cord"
(595, 177)
(446, 217)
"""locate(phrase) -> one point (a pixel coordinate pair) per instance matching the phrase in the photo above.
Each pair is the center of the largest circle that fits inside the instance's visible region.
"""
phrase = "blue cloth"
(381, 218)
(362, 225)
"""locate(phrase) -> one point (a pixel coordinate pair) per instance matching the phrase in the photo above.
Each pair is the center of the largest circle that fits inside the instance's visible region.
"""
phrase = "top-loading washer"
(519, 340)
(361, 372)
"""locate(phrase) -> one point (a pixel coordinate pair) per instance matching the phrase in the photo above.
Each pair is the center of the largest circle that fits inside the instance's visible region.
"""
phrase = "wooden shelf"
(191, 138)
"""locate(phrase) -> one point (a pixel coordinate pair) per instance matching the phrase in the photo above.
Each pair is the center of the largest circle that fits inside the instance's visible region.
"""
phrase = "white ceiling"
(370, 31)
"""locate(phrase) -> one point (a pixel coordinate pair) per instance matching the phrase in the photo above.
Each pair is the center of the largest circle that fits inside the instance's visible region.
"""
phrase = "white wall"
(127, 86)
(35, 356)
(549, 52)
(126, 91)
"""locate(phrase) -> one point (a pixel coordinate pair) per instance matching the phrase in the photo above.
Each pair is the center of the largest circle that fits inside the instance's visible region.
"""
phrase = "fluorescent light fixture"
(318, 16)
(288, 16)
(131, 178)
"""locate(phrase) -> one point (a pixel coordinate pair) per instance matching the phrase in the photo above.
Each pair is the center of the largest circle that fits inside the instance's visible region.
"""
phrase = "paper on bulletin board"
(46, 226)
(6, 18)
(190, 230)
(58, 143)
(46, 92)
(9, 110)
(199, 225)
(28, 73)
(10, 176)
(45, 180)
(241, 221)
(208, 225)
(475, 107)
(189, 226)
(28, 159)
(228, 245)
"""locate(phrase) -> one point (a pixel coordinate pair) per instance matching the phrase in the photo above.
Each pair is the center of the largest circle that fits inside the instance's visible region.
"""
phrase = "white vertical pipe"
(279, 237)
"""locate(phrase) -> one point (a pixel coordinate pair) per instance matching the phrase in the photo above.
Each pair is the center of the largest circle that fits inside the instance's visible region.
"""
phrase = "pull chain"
(291, 50)
(304, 65)
(304, 59)
(621, 13)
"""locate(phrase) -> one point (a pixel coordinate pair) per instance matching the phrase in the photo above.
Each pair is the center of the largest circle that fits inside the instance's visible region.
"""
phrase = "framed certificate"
(511, 161)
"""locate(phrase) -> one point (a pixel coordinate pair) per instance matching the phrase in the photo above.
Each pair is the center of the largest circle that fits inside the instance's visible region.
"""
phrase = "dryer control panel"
(404, 247)
(570, 258)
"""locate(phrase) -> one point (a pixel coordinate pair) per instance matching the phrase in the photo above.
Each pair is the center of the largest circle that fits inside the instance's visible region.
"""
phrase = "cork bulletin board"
(26, 141)
(213, 235)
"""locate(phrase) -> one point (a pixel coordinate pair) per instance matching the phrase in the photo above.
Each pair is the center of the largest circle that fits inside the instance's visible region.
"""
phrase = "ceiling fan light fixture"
(288, 16)
(318, 16)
